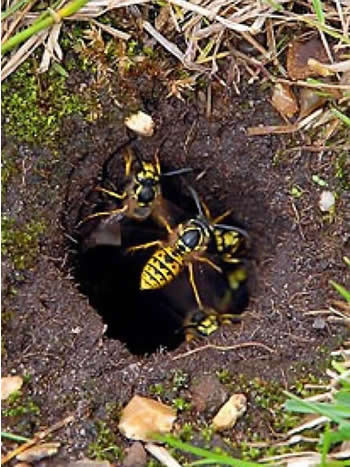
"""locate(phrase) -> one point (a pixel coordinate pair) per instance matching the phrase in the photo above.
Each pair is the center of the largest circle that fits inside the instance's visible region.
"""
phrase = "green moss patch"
(21, 244)
(34, 105)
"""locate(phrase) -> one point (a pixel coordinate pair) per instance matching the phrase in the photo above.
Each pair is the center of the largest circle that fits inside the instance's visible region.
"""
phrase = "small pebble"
(230, 412)
(144, 416)
(140, 123)
(327, 201)
(136, 456)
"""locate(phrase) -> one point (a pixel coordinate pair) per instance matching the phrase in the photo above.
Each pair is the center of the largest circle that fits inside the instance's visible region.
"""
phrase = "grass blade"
(20, 37)
(220, 459)
(317, 4)
(13, 437)
(341, 116)
(342, 290)
(319, 409)
(13, 8)
(334, 410)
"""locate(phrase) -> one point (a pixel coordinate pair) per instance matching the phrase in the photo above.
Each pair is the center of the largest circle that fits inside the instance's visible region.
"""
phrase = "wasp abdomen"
(161, 269)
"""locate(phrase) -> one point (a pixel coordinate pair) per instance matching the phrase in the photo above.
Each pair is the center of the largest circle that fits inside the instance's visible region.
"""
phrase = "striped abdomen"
(227, 242)
(163, 266)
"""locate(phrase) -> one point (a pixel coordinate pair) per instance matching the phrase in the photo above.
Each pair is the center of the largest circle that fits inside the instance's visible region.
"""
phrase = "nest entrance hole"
(144, 320)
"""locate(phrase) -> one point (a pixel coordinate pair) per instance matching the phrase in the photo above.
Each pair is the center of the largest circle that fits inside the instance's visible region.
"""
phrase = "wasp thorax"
(192, 237)
(146, 194)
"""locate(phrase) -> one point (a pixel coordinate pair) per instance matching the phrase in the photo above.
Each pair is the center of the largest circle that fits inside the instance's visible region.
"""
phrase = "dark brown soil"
(56, 336)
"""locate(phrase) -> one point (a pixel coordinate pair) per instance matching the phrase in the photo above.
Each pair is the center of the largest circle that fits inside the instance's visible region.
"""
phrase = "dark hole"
(110, 277)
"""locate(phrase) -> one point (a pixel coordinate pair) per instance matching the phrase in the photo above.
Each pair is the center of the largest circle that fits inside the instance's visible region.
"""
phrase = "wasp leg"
(165, 223)
(102, 213)
(111, 193)
(202, 259)
(218, 219)
(194, 287)
(226, 318)
(128, 162)
(229, 259)
(144, 246)
(206, 210)
(157, 162)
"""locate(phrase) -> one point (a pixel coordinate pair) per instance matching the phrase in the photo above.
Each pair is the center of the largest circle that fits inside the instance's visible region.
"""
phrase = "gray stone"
(208, 394)
(136, 456)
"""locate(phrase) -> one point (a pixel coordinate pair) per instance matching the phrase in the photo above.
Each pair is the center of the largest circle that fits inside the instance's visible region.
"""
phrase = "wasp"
(142, 196)
(187, 243)
(204, 322)
(227, 239)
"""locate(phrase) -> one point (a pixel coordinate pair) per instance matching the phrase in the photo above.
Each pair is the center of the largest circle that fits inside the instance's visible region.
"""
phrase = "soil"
(56, 332)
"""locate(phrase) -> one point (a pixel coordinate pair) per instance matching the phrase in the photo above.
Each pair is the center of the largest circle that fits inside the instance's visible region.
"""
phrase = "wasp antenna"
(235, 229)
(196, 200)
(184, 170)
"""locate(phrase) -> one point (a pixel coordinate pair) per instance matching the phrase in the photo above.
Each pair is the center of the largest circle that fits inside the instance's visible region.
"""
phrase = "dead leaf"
(143, 416)
(326, 69)
(10, 384)
(230, 412)
(162, 18)
(38, 452)
(319, 68)
(299, 54)
(345, 79)
(309, 100)
(283, 99)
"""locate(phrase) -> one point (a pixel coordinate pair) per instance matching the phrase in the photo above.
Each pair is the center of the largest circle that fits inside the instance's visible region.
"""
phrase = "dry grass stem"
(13, 25)
(223, 348)
(162, 455)
(37, 438)
(52, 48)
(23, 53)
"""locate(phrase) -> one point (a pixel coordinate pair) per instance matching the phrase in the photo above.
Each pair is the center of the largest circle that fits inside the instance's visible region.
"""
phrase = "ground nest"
(110, 276)
(230, 171)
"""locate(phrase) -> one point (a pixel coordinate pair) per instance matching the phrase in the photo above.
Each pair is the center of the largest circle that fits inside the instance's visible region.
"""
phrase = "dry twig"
(38, 437)
(223, 348)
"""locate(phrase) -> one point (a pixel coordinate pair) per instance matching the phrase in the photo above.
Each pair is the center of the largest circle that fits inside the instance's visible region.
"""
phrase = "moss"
(342, 171)
(21, 244)
(34, 107)
(180, 380)
(180, 404)
(17, 406)
(8, 171)
(105, 446)
(157, 389)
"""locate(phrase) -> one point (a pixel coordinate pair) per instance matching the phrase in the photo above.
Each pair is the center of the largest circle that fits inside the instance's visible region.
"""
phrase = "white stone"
(140, 123)
(327, 201)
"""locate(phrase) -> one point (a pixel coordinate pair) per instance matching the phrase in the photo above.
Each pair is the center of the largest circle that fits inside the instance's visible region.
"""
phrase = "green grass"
(338, 412)
(341, 117)
(208, 457)
(317, 5)
(339, 288)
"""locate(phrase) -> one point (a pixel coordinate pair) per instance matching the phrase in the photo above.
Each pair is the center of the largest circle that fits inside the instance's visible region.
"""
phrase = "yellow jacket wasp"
(142, 196)
(187, 243)
(204, 322)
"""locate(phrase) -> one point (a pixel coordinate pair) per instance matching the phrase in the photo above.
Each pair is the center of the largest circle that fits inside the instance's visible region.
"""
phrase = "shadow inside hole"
(143, 320)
